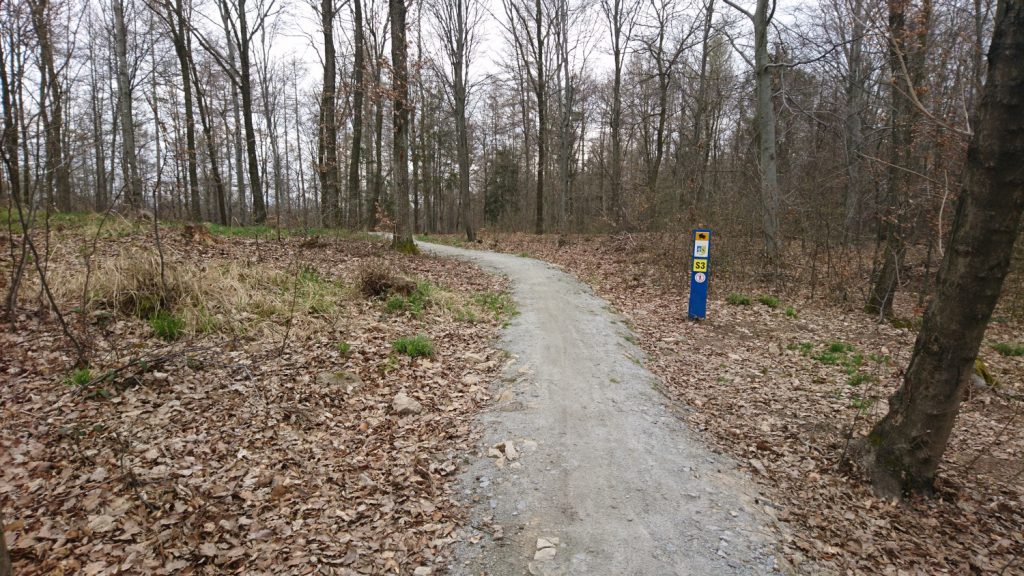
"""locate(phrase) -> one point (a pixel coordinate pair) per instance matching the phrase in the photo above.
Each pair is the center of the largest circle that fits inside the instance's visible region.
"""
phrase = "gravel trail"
(603, 477)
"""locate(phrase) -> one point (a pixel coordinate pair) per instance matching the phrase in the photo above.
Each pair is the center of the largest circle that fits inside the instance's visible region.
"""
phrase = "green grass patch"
(79, 377)
(769, 301)
(415, 303)
(828, 358)
(166, 325)
(737, 299)
(840, 347)
(344, 348)
(790, 312)
(1007, 349)
(414, 346)
(500, 305)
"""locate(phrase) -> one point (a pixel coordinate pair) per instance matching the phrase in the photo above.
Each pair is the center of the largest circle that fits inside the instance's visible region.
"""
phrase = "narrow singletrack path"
(604, 477)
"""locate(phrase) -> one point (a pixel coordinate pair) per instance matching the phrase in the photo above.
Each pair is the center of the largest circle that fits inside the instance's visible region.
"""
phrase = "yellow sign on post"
(700, 265)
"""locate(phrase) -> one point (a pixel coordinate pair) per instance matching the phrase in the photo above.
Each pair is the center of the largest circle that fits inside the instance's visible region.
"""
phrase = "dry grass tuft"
(377, 280)
(216, 296)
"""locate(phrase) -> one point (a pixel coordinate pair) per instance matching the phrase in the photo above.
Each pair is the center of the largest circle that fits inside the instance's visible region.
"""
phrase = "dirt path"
(601, 467)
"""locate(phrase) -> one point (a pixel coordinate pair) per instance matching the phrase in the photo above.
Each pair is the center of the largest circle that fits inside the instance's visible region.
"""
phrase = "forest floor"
(781, 383)
(253, 411)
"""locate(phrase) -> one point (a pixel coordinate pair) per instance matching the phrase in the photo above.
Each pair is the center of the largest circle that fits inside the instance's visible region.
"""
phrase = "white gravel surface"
(602, 477)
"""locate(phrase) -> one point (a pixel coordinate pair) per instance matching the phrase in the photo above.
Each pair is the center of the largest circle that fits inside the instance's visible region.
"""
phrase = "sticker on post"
(700, 265)
(700, 248)
(699, 277)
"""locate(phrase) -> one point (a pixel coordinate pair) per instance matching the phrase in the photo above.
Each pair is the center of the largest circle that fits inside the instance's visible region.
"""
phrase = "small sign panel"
(699, 270)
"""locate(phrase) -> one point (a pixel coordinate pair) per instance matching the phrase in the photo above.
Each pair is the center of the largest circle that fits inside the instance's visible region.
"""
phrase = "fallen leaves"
(767, 388)
(265, 451)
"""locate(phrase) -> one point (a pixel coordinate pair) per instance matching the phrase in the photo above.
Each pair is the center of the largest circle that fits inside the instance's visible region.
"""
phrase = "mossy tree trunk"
(906, 447)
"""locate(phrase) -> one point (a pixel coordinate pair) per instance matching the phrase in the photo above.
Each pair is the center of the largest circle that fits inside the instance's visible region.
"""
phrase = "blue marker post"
(699, 271)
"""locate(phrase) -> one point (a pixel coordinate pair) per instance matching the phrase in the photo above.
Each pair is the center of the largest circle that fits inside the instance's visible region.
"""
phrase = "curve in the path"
(603, 465)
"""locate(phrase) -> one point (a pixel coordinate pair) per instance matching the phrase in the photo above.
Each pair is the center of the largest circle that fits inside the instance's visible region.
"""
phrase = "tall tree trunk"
(182, 47)
(906, 446)
(259, 207)
(98, 144)
(206, 119)
(124, 93)
(328, 154)
(52, 107)
(358, 88)
(614, 15)
(236, 111)
(906, 53)
(541, 92)
(767, 159)
(856, 94)
(402, 240)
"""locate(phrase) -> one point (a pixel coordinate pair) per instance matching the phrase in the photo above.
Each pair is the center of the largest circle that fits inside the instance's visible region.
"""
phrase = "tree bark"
(906, 446)
(328, 167)
(402, 240)
(906, 63)
(856, 94)
(541, 92)
(767, 160)
(180, 37)
(52, 108)
(259, 207)
(358, 87)
(124, 92)
(206, 120)
(5, 556)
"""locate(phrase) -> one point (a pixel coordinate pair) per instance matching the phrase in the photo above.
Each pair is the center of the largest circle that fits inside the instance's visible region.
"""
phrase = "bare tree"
(51, 106)
(906, 446)
(129, 160)
(358, 91)
(621, 16)
(456, 22)
(328, 129)
(173, 14)
(767, 161)
(529, 27)
(907, 49)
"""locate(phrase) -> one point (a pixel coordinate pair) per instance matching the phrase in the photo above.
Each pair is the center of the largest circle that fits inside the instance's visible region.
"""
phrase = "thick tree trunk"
(354, 196)
(328, 153)
(402, 240)
(259, 207)
(906, 447)
(124, 93)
